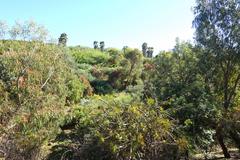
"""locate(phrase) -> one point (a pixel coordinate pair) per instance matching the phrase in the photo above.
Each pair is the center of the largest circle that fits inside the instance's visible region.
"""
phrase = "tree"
(15, 31)
(124, 49)
(95, 44)
(3, 29)
(28, 30)
(128, 73)
(102, 45)
(150, 51)
(175, 82)
(63, 39)
(144, 49)
(218, 32)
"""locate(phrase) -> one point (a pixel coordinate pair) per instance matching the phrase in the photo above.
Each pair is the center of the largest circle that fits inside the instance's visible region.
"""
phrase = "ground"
(217, 155)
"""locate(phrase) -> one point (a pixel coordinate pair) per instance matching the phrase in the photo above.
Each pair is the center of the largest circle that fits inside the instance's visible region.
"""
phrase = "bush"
(116, 127)
(89, 56)
(36, 81)
(111, 71)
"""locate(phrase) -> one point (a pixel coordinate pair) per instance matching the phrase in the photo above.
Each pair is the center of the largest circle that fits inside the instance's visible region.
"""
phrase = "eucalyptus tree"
(3, 29)
(28, 30)
(218, 33)
(15, 30)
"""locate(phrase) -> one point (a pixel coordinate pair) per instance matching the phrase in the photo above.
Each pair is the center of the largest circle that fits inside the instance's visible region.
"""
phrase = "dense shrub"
(89, 56)
(36, 81)
(129, 70)
(117, 127)
(111, 71)
(173, 79)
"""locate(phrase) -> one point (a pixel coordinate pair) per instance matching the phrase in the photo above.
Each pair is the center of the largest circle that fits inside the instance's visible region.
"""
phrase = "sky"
(117, 22)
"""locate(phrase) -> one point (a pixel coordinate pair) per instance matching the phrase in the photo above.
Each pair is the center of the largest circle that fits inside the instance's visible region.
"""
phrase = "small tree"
(16, 30)
(125, 48)
(28, 30)
(144, 49)
(3, 29)
(95, 44)
(150, 52)
(62, 39)
(133, 65)
(102, 45)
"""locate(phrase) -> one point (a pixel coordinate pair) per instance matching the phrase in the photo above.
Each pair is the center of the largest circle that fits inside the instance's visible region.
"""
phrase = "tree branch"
(49, 76)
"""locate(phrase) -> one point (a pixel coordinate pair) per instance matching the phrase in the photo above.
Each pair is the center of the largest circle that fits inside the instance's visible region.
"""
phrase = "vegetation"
(60, 102)
(216, 30)
(62, 40)
(35, 94)
(123, 128)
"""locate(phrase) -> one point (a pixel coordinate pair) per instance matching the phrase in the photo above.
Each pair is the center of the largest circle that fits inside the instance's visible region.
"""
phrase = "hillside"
(62, 102)
(81, 103)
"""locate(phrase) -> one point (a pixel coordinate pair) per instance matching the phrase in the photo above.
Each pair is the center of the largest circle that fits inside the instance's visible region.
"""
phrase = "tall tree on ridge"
(144, 49)
(150, 51)
(95, 44)
(63, 39)
(102, 45)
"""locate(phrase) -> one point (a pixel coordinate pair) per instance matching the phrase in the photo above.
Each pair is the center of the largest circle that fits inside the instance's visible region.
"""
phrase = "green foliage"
(217, 32)
(129, 71)
(123, 128)
(76, 88)
(16, 46)
(216, 29)
(89, 56)
(116, 57)
(179, 87)
(101, 87)
(36, 82)
(111, 71)
(142, 107)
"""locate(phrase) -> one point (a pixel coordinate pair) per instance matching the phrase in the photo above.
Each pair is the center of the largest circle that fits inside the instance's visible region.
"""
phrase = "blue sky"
(117, 22)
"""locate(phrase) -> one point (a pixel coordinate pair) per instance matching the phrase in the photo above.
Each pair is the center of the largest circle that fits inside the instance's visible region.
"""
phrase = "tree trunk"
(220, 139)
(235, 138)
